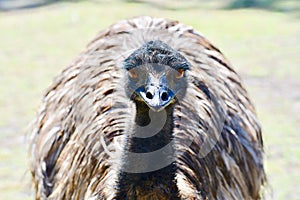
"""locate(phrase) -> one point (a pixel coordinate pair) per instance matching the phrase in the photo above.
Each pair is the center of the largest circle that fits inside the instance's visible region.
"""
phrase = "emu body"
(90, 132)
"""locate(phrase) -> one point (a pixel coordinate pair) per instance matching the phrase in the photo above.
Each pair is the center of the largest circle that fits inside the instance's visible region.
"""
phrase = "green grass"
(262, 45)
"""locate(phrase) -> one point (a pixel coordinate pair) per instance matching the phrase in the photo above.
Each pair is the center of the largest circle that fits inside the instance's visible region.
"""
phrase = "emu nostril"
(164, 96)
(149, 95)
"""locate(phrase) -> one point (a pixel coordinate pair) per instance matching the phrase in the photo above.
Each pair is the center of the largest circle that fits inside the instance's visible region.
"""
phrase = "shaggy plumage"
(82, 134)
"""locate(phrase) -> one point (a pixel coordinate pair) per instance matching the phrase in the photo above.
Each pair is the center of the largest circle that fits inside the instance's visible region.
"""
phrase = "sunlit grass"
(37, 44)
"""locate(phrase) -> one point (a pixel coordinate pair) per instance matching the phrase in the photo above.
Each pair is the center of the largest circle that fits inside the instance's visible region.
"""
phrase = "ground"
(262, 45)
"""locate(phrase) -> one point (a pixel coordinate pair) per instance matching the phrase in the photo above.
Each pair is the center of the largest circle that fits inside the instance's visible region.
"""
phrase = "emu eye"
(132, 73)
(180, 73)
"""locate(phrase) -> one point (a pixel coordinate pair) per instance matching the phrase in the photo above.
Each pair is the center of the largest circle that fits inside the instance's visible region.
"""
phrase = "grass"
(262, 45)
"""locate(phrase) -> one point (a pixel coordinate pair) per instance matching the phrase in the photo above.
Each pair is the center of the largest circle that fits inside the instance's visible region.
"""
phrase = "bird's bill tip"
(156, 102)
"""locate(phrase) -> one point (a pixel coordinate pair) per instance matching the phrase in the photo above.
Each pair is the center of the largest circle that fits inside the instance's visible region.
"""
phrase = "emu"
(150, 110)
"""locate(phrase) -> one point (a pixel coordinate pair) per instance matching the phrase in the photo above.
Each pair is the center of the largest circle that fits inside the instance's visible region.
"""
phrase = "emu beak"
(157, 97)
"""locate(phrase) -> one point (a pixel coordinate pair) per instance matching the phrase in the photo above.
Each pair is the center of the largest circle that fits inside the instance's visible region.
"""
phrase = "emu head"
(156, 75)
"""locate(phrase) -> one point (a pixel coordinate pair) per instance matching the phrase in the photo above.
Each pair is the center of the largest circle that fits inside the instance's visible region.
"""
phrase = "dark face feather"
(156, 75)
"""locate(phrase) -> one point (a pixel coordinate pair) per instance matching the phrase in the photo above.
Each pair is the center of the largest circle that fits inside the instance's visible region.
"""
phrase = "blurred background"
(261, 38)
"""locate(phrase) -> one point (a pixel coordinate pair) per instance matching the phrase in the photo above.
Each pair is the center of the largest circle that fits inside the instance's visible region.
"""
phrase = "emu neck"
(144, 174)
(152, 130)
